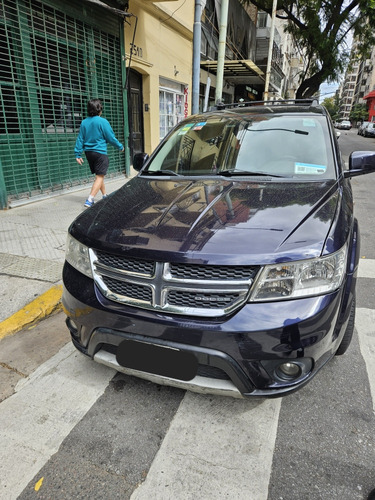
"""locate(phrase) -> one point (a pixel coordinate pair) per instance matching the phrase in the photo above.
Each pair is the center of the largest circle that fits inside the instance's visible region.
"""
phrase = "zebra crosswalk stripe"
(365, 320)
(215, 448)
(36, 419)
(366, 268)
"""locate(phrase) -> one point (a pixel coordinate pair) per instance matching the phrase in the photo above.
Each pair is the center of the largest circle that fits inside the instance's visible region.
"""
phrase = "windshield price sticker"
(308, 168)
(186, 128)
(199, 126)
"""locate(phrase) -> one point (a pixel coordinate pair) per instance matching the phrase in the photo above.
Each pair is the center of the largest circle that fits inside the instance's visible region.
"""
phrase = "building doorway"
(136, 142)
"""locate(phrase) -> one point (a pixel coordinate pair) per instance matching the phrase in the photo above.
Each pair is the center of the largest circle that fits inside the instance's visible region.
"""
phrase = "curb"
(43, 306)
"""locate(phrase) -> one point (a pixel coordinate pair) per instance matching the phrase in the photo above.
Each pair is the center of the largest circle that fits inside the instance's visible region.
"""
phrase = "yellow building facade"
(159, 51)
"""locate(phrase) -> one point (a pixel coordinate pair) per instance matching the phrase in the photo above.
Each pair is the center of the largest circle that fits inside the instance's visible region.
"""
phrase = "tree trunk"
(311, 85)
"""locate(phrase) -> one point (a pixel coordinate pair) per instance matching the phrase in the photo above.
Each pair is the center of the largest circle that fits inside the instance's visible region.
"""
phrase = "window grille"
(51, 64)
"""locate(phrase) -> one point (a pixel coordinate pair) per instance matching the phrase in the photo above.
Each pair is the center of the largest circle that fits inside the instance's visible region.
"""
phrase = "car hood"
(214, 220)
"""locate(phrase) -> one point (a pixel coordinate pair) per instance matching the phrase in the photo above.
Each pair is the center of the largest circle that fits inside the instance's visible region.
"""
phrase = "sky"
(328, 90)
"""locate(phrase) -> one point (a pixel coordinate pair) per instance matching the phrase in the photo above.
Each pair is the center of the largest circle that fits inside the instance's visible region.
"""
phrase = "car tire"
(348, 335)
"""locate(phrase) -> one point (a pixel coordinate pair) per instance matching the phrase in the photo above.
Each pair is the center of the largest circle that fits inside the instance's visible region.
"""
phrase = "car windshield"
(250, 144)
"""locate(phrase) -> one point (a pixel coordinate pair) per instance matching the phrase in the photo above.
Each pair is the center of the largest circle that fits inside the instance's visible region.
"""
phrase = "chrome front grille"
(204, 272)
(121, 288)
(137, 266)
(188, 289)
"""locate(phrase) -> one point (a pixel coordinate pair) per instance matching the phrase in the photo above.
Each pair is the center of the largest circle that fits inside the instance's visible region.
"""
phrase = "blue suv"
(228, 264)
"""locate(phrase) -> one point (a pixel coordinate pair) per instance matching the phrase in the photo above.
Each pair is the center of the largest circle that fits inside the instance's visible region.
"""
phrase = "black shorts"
(98, 162)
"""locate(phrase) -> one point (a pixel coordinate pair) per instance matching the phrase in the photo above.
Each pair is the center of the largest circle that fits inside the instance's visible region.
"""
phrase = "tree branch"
(319, 30)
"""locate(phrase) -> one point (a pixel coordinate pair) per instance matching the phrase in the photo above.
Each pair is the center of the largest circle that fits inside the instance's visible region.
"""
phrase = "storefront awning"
(237, 71)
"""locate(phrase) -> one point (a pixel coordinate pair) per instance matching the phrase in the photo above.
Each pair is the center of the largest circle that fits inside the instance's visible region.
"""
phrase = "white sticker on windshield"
(308, 122)
(309, 168)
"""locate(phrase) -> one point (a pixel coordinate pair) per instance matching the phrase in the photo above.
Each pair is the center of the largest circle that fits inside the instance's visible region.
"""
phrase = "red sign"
(186, 106)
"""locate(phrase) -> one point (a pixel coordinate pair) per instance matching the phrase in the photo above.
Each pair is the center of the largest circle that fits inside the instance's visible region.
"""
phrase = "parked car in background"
(361, 127)
(369, 130)
(344, 125)
(229, 263)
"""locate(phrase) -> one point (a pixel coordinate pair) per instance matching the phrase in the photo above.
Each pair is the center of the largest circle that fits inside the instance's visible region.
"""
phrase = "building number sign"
(135, 50)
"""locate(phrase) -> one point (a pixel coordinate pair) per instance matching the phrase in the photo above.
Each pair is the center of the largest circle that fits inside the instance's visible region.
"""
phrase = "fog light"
(288, 370)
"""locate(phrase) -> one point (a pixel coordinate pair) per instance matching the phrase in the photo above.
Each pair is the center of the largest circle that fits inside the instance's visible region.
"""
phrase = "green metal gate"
(51, 64)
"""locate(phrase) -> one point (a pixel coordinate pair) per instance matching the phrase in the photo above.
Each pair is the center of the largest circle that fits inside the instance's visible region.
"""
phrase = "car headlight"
(302, 278)
(78, 256)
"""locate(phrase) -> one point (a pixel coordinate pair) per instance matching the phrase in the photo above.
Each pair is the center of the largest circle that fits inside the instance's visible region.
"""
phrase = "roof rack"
(240, 104)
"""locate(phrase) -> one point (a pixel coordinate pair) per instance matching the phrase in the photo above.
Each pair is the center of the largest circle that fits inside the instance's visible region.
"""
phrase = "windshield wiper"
(232, 171)
(294, 131)
(160, 172)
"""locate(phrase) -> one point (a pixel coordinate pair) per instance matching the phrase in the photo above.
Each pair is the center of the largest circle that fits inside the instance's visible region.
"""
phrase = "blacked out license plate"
(156, 359)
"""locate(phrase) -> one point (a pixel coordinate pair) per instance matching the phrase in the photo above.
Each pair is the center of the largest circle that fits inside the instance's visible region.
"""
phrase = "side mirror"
(139, 161)
(360, 163)
(338, 134)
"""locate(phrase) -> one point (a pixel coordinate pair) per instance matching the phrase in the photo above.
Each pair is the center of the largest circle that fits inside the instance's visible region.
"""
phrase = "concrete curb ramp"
(43, 306)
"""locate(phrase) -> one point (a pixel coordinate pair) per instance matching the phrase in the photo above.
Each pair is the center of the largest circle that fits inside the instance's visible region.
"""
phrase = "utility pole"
(125, 98)
(270, 51)
(196, 56)
(221, 50)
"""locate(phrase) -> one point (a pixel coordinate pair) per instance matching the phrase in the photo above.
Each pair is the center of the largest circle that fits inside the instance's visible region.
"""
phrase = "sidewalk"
(32, 250)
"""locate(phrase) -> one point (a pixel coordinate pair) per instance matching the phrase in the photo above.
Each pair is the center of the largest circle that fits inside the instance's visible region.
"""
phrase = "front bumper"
(237, 355)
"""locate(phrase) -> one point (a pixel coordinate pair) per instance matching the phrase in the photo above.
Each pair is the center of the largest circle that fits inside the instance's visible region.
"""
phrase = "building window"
(262, 20)
(210, 31)
(171, 105)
